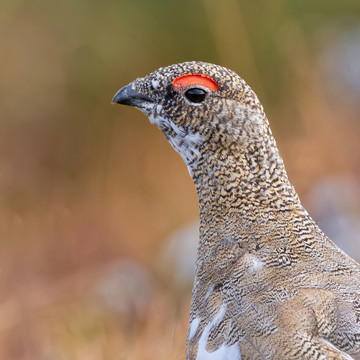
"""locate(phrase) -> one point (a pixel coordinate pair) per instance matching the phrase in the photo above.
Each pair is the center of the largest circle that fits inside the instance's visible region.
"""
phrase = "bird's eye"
(195, 95)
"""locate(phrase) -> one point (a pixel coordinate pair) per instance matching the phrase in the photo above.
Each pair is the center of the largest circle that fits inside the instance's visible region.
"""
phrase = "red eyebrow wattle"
(195, 79)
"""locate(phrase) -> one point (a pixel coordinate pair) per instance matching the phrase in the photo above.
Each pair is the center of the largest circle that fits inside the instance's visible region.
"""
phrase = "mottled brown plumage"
(269, 284)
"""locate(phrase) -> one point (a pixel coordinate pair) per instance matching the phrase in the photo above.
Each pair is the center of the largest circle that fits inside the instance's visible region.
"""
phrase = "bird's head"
(199, 107)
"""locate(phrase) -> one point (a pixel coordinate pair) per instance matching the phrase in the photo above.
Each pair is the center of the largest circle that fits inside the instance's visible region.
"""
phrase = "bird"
(269, 284)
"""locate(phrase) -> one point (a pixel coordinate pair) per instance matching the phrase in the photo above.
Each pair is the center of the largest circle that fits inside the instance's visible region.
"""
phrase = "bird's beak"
(128, 96)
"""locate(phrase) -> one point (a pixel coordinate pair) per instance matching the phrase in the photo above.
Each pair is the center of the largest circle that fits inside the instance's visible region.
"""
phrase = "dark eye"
(195, 95)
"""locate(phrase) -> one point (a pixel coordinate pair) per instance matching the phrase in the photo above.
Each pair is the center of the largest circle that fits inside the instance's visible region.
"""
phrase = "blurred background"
(97, 212)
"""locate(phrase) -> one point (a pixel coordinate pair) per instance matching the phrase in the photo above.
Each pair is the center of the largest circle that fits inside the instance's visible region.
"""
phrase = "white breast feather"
(223, 352)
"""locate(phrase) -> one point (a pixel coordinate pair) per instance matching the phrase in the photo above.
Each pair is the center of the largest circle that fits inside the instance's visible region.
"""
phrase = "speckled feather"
(269, 284)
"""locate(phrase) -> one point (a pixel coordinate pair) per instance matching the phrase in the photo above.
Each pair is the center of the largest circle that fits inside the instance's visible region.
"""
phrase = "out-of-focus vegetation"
(90, 192)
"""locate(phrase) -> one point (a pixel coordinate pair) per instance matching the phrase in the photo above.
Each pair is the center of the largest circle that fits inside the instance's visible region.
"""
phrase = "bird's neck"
(243, 183)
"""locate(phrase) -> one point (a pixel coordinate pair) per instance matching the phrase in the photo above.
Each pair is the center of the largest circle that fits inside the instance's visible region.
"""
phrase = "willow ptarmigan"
(269, 284)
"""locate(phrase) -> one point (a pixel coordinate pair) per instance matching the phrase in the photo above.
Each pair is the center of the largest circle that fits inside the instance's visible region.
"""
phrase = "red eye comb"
(195, 79)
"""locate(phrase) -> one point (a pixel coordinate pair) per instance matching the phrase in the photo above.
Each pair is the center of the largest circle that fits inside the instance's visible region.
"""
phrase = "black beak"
(128, 96)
